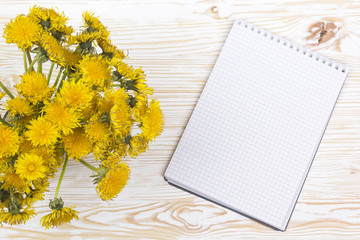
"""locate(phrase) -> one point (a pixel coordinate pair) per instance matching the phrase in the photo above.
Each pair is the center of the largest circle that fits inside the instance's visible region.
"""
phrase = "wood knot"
(325, 33)
(220, 11)
(214, 9)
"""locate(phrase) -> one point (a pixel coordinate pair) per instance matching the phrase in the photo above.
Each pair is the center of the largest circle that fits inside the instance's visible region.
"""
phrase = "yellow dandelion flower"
(143, 89)
(25, 146)
(93, 24)
(12, 180)
(51, 20)
(110, 98)
(94, 30)
(59, 217)
(126, 70)
(85, 39)
(121, 120)
(54, 51)
(64, 118)
(30, 166)
(138, 144)
(76, 95)
(152, 122)
(9, 141)
(17, 217)
(19, 106)
(37, 193)
(95, 71)
(96, 130)
(47, 155)
(42, 132)
(113, 182)
(92, 108)
(113, 160)
(113, 145)
(59, 214)
(34, 87)
(120, 147)
(110, 50)
(100, 150)
(23, 31)
(141, 105)
(71, 58)
(77, 144)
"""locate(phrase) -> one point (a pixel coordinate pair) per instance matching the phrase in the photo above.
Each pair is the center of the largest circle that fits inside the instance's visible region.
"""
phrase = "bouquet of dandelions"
(95, 104)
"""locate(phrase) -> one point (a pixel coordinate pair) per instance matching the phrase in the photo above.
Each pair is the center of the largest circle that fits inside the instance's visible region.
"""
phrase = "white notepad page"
(258, 123)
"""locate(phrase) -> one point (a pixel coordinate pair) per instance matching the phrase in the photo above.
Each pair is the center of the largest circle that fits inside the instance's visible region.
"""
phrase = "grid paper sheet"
(255, 130)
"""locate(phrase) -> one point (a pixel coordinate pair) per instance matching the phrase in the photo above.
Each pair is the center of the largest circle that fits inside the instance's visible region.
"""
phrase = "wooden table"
(177, 43)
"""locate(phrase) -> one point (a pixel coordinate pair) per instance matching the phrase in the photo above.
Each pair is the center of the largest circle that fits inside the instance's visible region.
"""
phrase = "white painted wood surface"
(177, 43)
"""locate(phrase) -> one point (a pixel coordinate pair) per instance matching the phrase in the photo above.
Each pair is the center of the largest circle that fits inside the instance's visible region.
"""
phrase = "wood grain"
(177, 43)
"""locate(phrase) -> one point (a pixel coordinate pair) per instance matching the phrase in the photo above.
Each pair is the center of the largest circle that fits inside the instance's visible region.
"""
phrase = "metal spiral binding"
(292, 45)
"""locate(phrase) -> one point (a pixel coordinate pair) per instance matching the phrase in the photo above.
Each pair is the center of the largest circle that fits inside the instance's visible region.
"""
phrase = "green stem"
(61, 176)
(5, 115)
(50, 72)
(28, 55)
(25, 62)
(61, 81)
(32, 64)
(4, 122)
(58, 77)
(6, 90)
(39, 67)
(86, 164)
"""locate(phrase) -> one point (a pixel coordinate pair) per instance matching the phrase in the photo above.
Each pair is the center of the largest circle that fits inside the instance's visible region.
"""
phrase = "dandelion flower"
(84, 39)
(77, 144)
(94, 30)
(23, 31)
(141, 105)
(76, 95)
(70, 58)
(110, 98)
(100, 150)
(54, 51)
(62, 116)
(16, 216)
(128, 71)
(138, 144)
(30, 166)
(110, 50)
(37, 193)
(96, 71)
(47, 155)
(9, 141)
(59, 214)
(34, 87)
(112, 159)
(121, 120)
(25, 146)
(152, 122)
(19, 106)
(96, 130)
(51, 20)
(12, 180)
(113, 182)
(42, 132)
(93, 24)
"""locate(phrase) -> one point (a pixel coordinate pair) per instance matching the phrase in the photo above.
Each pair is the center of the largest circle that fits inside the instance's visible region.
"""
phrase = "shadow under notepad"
(245, 215)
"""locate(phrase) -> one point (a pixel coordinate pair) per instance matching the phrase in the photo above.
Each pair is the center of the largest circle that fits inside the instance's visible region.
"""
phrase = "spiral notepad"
(255, 130)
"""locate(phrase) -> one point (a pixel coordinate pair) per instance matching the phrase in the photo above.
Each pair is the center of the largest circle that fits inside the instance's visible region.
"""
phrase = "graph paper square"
(255, 130)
